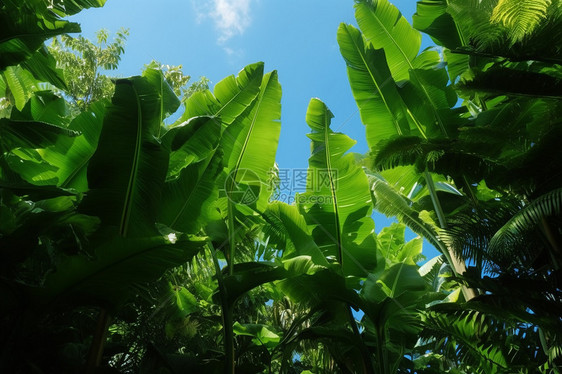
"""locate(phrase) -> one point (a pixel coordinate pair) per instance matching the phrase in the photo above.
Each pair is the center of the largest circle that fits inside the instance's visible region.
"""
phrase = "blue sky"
(216, 38)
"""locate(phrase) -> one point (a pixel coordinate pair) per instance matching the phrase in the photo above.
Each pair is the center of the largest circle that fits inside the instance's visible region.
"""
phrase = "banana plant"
(248, 108)
(240, 116)
(126, 175)
(389, 301)
(27, 24)
(401, 94)
(337, 201)
(337, 206)
(338, 211)
(482, 149)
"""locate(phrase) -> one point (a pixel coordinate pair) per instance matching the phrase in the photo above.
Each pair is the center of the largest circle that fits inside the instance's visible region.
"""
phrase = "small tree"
(83, 61)
(178, 80)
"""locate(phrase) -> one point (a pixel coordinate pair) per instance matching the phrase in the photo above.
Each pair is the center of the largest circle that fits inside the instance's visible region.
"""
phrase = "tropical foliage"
(82, 62)
(481, 178)
(141, 234)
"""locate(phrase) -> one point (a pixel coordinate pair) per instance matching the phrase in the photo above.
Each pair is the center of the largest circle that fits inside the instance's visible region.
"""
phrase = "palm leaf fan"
(540, 213)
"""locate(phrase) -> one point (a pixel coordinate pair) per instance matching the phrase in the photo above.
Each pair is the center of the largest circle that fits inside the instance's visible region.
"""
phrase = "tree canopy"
(140, 233)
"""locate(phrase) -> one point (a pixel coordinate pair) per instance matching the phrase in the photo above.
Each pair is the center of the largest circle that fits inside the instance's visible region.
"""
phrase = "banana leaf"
(126, 174)
(337, 201)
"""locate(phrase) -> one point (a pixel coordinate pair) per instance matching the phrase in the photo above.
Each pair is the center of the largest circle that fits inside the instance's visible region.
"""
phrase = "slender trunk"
(367, 364)
(96, 349)
(552, 240)
(381, 359)
(231, 238)
(457, 263)
(230, 365)
(227, 318)
(230, 362)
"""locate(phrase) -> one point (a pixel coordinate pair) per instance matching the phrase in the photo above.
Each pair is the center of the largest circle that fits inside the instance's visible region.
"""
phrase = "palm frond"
(463, 334)
(521, 17)
(391, 203)
(472, 158)
(469, 231)
(473, 19)
(491, 333)
(514, 82)
(518, 300)
(512, 235)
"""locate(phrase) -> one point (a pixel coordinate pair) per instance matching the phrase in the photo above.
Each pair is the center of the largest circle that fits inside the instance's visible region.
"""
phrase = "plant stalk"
(382, 365)
(367, 364)
(552, 240)
(96, 349)
(457, 264)
(227, 317)
(231, 238)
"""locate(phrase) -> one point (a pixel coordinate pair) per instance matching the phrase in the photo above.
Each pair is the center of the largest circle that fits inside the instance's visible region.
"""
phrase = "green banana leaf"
(337, 201)
(28, 159)
(422, 86)
(29, 134)
(59, 160)
(44, 106)
(390, 242)
(126, 174)
(324, 287)
(169, 102)
(192, 141)
(71, 7)
(391, 320)
(43, 66)
(195, 163)
(382, 110)
(119, 263)
(26, 24)
(261, 334)
(20, 84)
(232, 96)
(433, 19)
(71, 156)
(384, 27)
(188, 201)
(248, 107)
(250, 142)
(249, 275)
(288, 229)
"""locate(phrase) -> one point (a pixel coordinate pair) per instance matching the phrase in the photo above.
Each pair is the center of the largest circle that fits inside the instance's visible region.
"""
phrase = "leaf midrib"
(131, 186)
(394, 120)
(332, 186)
(413, 71)
(188, 199)
(250, 131)
(236, 95)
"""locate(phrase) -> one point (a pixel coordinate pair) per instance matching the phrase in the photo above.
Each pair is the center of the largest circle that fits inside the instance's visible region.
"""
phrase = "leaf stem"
(96, 349)
(367, 364)
(227, 317)
(457, 264)
(231, 237)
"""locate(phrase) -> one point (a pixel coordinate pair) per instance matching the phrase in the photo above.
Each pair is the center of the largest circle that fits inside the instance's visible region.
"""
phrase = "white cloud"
(233, 53)
(231, 17)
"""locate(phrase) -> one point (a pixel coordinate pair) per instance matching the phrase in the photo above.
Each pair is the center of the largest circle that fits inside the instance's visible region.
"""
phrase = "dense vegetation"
(132, 245)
